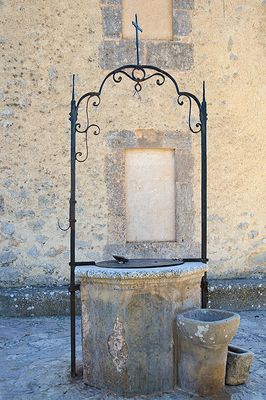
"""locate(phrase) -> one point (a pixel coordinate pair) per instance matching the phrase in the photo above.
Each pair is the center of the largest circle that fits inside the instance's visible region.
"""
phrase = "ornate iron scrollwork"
(138, 74)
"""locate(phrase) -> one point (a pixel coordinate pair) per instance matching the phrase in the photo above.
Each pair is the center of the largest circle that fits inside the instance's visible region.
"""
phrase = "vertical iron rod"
(203, 118)
(72, 221)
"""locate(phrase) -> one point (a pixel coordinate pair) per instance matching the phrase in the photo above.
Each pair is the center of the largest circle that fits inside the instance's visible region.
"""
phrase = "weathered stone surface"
(203, 337)
(7, 228)
(184, 195)
(111, 21)
(25, 214)
(128, 339)
(42, 239)
(113, 53)
(184, 166)
(33, 252)
(7, 257)
(181, 23)
(238, 365)
(237, 294)
(37, 225)
(38, 301)
(184, 4)
(171, 55)
(2, 205)
(114, 2)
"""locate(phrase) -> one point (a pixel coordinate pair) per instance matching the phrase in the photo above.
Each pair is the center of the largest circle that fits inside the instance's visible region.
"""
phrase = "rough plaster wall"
(42, 44)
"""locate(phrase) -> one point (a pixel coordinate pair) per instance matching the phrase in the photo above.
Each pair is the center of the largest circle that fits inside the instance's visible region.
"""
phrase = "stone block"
(184, 193)
(170, 55)
(238, 365)
(184, 166)
(7, 257)
(2, 205)
(113, 53)
(181, 23)
(184, 4)
(111, 21)
(113, 2)
(7, 228)
(33, 252)
(185, 227)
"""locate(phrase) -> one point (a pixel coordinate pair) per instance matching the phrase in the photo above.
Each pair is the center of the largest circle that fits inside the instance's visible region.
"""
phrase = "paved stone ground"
(34, 362)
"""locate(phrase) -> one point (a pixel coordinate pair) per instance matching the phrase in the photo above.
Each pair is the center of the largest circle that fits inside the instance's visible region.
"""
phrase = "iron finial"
(138, 28)
(73, 87)
(203, 91)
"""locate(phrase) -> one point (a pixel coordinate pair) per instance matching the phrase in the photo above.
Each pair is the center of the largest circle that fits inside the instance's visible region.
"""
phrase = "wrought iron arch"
(138, 74)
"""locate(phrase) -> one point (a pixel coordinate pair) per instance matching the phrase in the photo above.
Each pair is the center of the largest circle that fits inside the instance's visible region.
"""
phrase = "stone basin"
(128, 324)
(203, 336)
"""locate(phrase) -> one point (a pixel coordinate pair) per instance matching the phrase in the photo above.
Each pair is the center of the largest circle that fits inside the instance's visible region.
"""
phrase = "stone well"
(128, 323)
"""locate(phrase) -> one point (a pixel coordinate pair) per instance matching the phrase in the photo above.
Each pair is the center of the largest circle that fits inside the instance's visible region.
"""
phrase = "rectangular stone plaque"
(150, 195)
(155, 18)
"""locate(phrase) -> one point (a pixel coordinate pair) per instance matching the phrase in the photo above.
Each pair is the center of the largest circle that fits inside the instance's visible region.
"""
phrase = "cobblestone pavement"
(34, 362)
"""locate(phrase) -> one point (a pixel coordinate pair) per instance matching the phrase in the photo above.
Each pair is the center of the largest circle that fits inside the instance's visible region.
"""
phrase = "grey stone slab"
(184, 4)
(114, 53)
(181, 23)
(170, 55)
(112, 23)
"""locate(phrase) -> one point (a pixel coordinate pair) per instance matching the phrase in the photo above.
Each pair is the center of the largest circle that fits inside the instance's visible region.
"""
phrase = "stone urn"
(238, 365)
(203, 336)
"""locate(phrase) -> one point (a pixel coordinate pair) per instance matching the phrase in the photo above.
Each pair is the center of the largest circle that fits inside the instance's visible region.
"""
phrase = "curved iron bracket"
(60, 226)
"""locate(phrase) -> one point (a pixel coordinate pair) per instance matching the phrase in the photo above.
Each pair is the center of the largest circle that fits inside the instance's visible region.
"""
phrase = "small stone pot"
(238, 365)
(203, 336)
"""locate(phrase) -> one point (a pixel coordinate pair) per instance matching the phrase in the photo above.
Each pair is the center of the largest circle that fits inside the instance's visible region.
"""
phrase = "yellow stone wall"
(43, 43)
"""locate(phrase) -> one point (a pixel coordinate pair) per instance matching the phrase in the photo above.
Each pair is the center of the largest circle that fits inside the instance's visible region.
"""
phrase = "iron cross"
(138, 28)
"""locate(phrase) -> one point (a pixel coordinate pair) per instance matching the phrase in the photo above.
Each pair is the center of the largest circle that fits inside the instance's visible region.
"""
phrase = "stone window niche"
(170, 236)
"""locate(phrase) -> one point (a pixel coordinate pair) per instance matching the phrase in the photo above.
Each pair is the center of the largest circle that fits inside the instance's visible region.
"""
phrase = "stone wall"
(43, 43)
